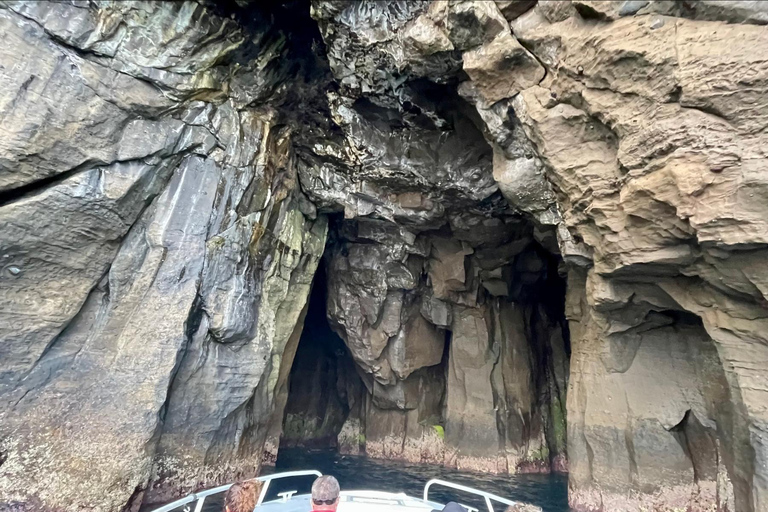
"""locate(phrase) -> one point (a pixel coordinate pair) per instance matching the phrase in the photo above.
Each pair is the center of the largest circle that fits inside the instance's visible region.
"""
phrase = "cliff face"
(543, 225)
(156, 250)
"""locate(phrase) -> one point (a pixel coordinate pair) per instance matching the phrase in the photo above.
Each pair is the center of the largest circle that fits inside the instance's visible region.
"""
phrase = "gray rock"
(436, 311)
(630, 7)
(96, 374)
(471, 24)
(167, 175)
(512, 9)
(61, 112)
(63, 256)
(149, 245)
(419, 344)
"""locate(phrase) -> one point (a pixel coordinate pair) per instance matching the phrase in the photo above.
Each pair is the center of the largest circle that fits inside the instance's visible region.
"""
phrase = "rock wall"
(167, 172)
(634, 128)
(648, 127)
(156, 250)
(459, 339)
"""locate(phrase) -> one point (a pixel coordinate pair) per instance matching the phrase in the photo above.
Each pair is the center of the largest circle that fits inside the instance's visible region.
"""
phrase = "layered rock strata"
(640, 141)
(464, 363)
(155, 254)
(649, 137)
(167, 174)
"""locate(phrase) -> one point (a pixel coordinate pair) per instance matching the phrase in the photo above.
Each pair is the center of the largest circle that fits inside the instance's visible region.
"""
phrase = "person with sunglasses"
(325, 494)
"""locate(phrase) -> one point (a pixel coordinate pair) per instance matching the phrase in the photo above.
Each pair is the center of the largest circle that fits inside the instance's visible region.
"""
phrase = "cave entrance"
(445, 345)
(323, 385)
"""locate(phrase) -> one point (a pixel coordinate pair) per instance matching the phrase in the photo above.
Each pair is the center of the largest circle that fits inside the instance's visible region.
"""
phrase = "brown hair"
(242, 496)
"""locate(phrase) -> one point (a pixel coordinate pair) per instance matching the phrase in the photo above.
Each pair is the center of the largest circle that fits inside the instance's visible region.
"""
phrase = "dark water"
(550, 492)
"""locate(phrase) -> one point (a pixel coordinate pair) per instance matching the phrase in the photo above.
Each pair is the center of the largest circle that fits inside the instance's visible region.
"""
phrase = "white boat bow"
(350, 501)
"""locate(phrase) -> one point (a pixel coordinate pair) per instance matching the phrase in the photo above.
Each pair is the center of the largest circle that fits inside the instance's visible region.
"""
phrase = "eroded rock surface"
(155, 253)
(464, 364)
(170, 173)
(657, 173)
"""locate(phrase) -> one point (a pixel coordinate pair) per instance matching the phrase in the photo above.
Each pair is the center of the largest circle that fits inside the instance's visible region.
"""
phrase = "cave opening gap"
(323, 386)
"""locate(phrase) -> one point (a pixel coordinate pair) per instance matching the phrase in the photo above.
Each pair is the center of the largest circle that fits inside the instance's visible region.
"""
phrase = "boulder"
(502, 68)
(512, 9)
(447, 270)
(419, 344)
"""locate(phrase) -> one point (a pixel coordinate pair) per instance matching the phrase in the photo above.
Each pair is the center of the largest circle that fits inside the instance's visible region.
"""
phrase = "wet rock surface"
(155, 256)
(542, 226)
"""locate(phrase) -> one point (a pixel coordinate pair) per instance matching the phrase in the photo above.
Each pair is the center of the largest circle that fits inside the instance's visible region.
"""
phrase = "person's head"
(242, 496)
(325, 493)
(523, 507)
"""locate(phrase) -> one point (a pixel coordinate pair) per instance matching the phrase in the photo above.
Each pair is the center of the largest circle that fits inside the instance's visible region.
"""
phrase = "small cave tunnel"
(323, 385)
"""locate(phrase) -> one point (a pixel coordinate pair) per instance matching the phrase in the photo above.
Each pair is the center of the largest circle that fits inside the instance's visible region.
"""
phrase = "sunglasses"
(323, 502)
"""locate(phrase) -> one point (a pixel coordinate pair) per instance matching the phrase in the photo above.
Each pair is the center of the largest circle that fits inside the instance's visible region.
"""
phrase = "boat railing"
(200, 497)
(489, 498)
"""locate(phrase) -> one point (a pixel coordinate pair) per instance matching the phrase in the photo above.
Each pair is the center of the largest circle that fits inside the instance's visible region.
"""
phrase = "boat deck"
(350, 501)
(355, 501)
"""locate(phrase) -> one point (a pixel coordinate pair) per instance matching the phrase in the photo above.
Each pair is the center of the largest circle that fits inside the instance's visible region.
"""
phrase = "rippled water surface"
(550, 492)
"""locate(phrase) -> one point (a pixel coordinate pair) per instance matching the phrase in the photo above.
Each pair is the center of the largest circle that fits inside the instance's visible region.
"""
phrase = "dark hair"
(242, 496)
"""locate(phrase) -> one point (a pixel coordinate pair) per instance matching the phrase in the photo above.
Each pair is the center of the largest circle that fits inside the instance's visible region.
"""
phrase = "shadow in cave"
(323, 385)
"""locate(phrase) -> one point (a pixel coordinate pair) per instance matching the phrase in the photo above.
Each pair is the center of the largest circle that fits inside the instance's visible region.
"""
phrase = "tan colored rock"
(523, 507)
(413, 200)
(502, 68)
(447, 267)
(417, 345)
(527, 23)
(710, 54)
(666, 181)
(470, 428)
(636, 375)
(729, 11)
(426, 37)
(555, 11)
(399, 435)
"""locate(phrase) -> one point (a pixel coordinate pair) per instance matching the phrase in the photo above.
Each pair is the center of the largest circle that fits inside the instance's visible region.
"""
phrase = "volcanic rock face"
(455, 332)
(171, 175)
(155, 253)
(652, 140)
